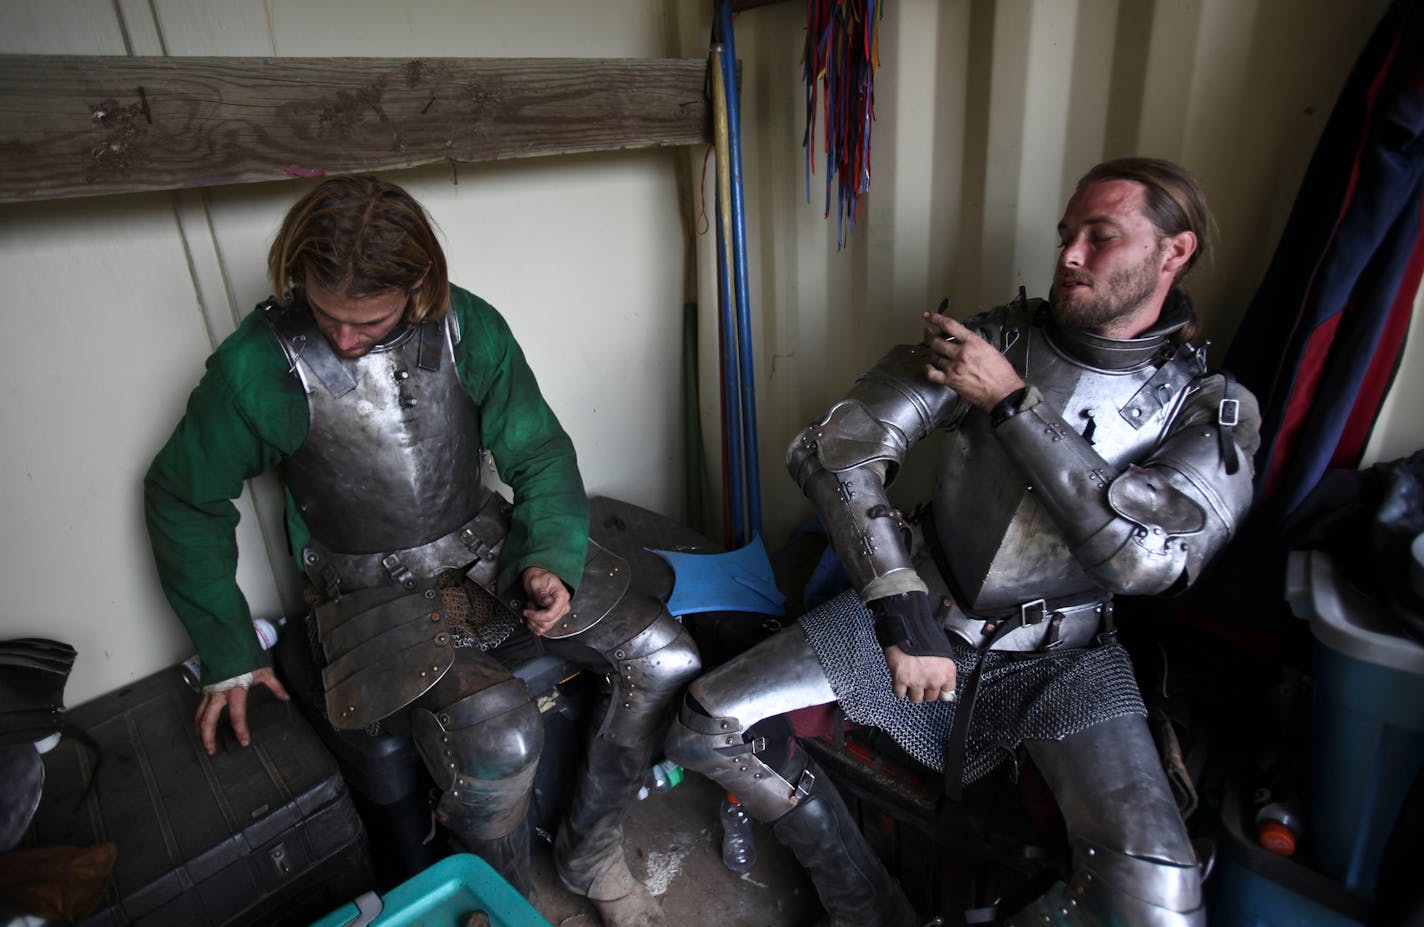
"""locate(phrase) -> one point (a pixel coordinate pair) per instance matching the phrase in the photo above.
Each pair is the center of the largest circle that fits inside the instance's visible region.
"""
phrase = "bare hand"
(921, 679)
(966, 363)
(211, 707)
(546, 599)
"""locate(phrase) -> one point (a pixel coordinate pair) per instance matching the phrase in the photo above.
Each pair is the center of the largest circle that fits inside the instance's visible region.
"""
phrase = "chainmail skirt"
(1021, 696)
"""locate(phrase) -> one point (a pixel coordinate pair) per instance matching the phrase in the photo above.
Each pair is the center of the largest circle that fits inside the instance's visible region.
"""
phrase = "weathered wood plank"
(86, 125)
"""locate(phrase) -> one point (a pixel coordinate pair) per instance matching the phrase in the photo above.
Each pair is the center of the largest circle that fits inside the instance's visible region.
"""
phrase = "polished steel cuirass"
(1001, 548)
(391, 459)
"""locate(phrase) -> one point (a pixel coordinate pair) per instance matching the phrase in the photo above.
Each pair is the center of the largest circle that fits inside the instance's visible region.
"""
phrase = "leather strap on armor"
(1227, 417)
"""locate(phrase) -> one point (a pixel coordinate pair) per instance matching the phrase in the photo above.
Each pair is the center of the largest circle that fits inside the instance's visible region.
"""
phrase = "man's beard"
(1105, 301)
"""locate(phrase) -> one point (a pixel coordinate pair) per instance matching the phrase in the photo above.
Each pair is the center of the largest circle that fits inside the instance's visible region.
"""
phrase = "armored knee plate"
(482, 752)
(652, 667)
(718, 748)
(1108, 887)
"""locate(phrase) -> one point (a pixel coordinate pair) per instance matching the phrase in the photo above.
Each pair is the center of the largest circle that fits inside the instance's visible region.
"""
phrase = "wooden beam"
(86, 125)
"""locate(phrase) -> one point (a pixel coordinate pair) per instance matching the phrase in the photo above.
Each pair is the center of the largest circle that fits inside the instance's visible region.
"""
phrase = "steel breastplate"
(1001, 547)
(391, 459)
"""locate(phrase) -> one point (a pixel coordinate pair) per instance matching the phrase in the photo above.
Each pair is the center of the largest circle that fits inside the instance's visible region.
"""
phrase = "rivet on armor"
(724, 725)
(756, 775)
(311, 557)
(513, 603)
(434, 616)
(1092, 852)
(731, 740)
(627, 704)
(444, 719)
(430, 593)
(618, 654)
(1136, 413)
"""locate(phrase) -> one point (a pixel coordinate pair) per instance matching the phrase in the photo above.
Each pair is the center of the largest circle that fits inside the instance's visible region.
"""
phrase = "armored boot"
(509, 855)
(588, 852)
(852, 883)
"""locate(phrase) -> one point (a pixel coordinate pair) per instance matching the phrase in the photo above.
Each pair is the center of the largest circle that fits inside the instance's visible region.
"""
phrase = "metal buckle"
(1228, 413)
(804, 782)
(476, 544)
(1051, 640)
(398, 571)
(1040, 604)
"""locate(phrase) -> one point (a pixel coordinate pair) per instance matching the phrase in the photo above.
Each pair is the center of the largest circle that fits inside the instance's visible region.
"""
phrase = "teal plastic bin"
(445, 895)
(1367, 726)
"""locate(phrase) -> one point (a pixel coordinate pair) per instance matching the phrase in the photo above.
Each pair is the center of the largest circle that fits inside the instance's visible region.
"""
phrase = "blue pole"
(732, 448)
(739, 255)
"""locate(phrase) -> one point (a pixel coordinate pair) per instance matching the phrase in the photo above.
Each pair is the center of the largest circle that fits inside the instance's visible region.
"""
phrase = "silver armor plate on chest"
(1001, 547)
(391, 460)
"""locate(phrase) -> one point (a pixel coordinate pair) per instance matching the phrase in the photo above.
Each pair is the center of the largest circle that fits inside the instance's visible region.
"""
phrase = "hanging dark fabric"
(1324, 332)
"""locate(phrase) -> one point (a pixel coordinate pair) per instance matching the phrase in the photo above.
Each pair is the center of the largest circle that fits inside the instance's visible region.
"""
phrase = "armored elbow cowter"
(844, 462)
(1149, 527)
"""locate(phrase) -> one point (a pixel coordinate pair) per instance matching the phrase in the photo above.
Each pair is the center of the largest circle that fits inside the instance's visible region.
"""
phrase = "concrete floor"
(674, 844)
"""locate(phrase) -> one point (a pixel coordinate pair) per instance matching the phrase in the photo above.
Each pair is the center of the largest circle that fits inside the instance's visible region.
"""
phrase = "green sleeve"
(246, 414)
(533, 453)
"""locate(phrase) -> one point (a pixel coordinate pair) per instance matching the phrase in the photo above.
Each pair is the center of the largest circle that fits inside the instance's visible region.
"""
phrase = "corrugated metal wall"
(986, 114)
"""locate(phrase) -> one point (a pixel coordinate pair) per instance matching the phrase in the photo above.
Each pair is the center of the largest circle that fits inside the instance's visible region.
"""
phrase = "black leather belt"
(1082, 622)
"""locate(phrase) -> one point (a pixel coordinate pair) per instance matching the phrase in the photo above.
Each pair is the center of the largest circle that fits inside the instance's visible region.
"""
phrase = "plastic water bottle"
(664, 777)
(266, 631)
(1278, 827)
(738, 841)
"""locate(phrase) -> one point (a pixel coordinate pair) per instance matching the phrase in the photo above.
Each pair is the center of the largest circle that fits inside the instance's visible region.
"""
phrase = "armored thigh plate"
(482, 751)
(606, 577)
(385, 648)
(652, 654)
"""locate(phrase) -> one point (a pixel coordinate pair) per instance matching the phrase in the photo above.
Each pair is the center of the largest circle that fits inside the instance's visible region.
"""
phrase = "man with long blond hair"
(375, 387)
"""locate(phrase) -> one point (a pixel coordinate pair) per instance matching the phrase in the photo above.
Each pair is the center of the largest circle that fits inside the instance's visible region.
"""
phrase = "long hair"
(1175, 201)
(361, 236)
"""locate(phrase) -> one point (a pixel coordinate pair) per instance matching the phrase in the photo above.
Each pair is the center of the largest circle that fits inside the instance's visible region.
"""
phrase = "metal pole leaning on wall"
(747, 390)
(733, 497)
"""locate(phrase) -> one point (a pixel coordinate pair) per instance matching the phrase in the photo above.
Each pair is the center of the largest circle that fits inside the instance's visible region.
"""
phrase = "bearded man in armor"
(1088, 453)
(376, 388)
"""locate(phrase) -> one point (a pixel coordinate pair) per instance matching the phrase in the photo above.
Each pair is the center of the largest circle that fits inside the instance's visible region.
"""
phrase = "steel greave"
(778, 675)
